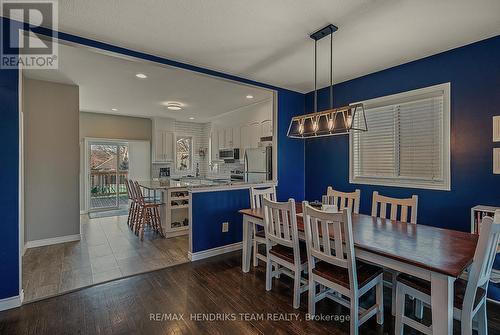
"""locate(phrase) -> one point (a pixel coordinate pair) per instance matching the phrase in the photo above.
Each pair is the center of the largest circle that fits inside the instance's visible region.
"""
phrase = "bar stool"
(148, 214)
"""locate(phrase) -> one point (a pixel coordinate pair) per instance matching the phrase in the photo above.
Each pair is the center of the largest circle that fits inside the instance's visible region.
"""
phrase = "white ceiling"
(107, 82)
(268, 40)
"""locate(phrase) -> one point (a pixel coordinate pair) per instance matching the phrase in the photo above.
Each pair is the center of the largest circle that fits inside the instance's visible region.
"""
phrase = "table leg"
(247, 243)
(442, 303)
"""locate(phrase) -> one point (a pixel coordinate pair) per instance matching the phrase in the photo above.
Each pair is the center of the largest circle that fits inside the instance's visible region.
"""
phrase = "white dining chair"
(405, 208)
(470, 296)
(259, 238)
(342, 200)
(338, 273)
(284, 252)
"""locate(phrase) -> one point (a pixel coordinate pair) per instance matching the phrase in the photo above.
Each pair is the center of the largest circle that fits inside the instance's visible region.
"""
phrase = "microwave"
(229, 154)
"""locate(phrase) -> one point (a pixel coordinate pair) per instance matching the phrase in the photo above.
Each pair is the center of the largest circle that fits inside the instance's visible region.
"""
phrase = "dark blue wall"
(9, 176)
(210, 210)
(291, 176)
(474, 73)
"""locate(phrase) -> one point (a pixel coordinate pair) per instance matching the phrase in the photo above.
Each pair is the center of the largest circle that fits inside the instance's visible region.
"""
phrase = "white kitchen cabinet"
(266, 128)
(236, 137)
(163, 140)
(214, 145)
(254, 135)
(221, 136)
(228, 138)
(163, 146)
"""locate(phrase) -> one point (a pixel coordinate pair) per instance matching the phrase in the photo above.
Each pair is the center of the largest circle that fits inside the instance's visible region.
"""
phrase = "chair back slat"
(405, 205)
(280, 223)
(342, 200)
(138, 193)
(132, 189)
(484, 257)
(320, 227)
(256, 195)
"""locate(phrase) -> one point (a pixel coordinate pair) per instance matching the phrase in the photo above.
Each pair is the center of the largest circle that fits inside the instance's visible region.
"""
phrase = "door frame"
(86, 171)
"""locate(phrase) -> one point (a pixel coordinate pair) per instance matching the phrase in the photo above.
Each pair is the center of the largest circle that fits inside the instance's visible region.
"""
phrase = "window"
(183, 153)
(407, 143)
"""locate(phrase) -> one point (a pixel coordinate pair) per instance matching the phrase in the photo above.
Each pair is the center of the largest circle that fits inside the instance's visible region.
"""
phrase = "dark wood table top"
(444, 251)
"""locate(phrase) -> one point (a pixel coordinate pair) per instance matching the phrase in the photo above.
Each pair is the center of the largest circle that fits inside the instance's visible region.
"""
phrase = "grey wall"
(114, 127)
(51, 156)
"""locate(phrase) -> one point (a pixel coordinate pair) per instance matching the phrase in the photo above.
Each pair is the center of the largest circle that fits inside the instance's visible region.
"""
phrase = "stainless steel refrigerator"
(258, 164)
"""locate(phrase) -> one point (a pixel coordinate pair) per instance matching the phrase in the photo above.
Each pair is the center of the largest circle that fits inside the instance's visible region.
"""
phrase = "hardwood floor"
(108, 250)
(216, 287)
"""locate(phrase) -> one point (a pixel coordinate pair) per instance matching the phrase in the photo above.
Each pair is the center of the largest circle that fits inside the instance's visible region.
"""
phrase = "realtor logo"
(21, 46)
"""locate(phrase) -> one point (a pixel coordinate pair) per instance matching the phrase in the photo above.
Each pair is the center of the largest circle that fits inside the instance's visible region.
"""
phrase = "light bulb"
(330, 124)
(301, 128)
(315, 126)
(348, 121)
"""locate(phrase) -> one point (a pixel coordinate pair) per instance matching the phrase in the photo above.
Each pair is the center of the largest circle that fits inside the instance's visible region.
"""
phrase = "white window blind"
(407, 142)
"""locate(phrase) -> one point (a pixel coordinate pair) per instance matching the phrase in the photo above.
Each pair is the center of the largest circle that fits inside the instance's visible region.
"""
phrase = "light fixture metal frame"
(346, 111)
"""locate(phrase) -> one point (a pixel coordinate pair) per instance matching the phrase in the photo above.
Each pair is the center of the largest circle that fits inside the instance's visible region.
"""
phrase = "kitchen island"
(206, 209)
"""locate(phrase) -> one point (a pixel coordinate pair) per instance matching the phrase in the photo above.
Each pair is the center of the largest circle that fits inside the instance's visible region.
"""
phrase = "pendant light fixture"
(334, 121)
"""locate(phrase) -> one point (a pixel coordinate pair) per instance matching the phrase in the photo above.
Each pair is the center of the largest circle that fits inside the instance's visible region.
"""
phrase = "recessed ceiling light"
(191, 118)
(175, 106)
(141, 75)
(114, 109)
(249, 96)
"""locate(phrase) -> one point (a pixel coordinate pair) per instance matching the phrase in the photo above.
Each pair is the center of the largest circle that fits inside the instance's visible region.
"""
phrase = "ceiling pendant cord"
(315, 75)
(331, 71)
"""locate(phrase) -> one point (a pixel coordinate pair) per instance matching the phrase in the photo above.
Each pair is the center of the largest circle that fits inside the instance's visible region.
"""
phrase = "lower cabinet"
(176, 212)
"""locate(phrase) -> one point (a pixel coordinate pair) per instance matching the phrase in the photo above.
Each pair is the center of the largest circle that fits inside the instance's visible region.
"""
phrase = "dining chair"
(470, 295)
(402, 207)
(134, 206)
(396, 206)
(284, 252)
(342, 200)
(337, 272)
(149, 214)
(131, 207)
(259, 237)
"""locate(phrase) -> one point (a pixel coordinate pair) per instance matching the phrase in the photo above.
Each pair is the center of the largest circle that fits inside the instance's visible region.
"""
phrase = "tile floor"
(108, 250)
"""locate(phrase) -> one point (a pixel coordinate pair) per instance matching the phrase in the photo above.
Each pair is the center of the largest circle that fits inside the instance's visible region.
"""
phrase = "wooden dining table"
(437, 255)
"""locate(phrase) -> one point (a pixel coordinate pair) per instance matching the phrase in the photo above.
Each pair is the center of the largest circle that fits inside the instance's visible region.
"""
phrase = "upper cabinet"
(163, 140)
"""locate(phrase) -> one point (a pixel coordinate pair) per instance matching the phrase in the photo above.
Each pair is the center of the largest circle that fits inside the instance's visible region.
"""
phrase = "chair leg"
(312, 296)
(269, 275)
(255, 259)
(354, 317)
(482, 320)
(158, 218)
(296, 287)
(380, 301)
(393, 292)
(400, 310)
(419, 309)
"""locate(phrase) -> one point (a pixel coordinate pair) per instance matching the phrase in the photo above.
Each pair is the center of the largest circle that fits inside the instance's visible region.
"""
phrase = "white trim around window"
(373, 162)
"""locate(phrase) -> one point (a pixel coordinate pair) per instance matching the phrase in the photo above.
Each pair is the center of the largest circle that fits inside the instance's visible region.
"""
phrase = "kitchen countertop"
(195, 183)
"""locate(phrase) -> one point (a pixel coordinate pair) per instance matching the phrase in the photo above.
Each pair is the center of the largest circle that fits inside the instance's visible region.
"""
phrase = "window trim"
(445, 88)
(180, 135)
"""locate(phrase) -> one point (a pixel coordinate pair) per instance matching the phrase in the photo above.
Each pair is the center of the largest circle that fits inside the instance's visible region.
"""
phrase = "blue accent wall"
(474, 73)
(9, 177)
(210, 210)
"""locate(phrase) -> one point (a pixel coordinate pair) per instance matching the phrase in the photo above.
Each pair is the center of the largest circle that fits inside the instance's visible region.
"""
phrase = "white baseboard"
(12, 302)
(215, 251)
(54, 240)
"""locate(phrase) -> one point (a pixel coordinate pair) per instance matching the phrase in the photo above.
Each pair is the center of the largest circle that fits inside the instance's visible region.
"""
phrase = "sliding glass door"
(108, 169)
